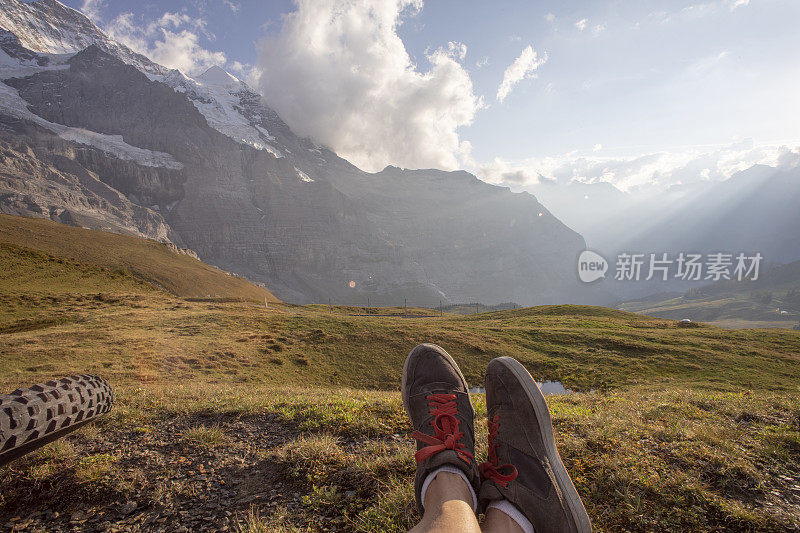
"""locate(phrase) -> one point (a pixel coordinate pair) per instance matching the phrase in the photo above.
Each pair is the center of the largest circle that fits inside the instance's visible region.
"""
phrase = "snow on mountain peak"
(218, 76)
(49, 27)
(52, 29)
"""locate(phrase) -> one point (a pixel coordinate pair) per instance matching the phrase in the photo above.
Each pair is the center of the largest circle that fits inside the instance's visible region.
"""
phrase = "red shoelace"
(491, 469)
(445, 425)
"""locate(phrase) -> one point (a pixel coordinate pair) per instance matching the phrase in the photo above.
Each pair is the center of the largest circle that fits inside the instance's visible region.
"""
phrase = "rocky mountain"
(93, 134)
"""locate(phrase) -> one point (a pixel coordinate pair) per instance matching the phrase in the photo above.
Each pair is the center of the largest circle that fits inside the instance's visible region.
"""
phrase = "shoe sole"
(405, 373)
(536, 398)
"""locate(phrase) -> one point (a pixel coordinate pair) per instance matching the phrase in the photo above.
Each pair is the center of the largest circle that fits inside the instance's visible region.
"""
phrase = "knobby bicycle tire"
(32, 417)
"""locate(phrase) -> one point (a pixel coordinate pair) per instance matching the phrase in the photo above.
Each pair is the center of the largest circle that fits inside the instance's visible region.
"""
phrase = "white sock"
(513, 513)
(452, 470)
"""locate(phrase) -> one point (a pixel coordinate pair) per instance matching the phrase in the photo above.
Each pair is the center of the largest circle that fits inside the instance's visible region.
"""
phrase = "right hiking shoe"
(523, 464)
(436, 399)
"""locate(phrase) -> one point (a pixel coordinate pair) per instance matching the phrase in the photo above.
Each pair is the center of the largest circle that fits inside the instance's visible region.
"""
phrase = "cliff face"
(470, 240)
(112, 139)
(50, 185)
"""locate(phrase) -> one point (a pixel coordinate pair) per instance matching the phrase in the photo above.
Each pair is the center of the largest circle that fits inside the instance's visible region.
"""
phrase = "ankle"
(447, 483)
(507, 512)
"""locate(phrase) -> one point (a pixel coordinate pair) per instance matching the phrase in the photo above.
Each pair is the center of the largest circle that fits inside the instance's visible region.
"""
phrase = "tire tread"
(31, 417)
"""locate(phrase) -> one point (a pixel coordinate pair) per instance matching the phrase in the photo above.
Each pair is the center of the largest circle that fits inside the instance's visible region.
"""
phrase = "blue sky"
(621, 80)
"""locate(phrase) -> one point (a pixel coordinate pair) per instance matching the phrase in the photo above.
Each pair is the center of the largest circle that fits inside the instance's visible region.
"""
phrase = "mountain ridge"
(248, 195)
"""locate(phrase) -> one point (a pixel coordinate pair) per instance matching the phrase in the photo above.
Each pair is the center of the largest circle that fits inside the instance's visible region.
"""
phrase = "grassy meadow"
(288, 418)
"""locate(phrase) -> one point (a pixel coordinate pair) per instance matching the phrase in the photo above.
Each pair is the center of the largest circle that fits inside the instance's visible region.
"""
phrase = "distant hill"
(773, 300)
(477, 307)
(85, 260)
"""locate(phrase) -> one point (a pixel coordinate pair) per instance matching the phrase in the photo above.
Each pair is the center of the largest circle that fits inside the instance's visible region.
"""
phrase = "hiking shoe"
(523, 464)
(436, 398)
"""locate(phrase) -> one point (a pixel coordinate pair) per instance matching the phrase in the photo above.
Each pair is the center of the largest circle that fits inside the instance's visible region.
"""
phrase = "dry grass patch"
(210, 436)
(276, 522)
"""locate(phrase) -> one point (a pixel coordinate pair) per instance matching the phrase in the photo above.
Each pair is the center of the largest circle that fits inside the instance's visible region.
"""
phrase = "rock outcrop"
(53, 186)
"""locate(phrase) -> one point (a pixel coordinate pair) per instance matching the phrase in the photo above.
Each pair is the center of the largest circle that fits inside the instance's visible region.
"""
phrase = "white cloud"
(482, 62)
(645, 173)
(240, 68)
(91, 8)
(173, 40)
(182, 51)
(550, 17)
(232, 5)
(339, 73)
(697, 11)
(706, 65)
(597, 29)
(456, 50)
(523, 67)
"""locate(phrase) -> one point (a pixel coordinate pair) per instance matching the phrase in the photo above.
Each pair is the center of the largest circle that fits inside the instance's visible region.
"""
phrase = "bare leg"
(497, 521)
(448, 507)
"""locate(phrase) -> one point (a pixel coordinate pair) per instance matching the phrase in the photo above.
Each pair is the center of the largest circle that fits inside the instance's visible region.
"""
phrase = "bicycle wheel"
(32, 417)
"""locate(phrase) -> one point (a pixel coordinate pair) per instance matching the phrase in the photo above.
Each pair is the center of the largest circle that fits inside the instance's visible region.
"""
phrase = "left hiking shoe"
(436, 398)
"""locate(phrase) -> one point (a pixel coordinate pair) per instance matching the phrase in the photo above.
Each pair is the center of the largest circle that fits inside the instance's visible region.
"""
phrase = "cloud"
(232, 5)
(91, 8)
(697, 11)
(240, 68)
(550, 17)
(172, 40)
(644, 173)
(456, 50)
(523, 67)
(339, 73)
(597, 29)
(706, 65)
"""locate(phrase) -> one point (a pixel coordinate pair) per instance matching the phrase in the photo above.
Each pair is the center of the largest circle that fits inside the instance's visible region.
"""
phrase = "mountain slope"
(453, 219)
(50, 27)
(159, 264)
(231, 181)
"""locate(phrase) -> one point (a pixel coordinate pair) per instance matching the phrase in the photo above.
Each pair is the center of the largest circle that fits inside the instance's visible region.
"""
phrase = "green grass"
(122, 255)
(677, 429)
(141, 338)
(643, 458)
